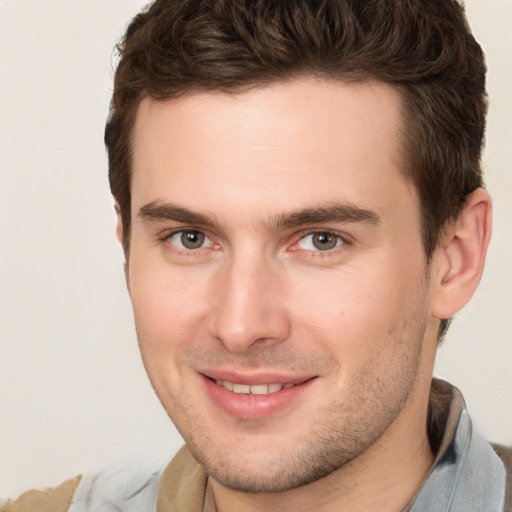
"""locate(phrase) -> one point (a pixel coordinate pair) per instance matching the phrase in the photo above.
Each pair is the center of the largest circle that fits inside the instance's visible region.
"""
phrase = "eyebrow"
(158, 211)
(331, 212)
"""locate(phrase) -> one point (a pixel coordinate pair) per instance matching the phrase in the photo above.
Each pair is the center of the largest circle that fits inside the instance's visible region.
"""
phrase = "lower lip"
(251, 407)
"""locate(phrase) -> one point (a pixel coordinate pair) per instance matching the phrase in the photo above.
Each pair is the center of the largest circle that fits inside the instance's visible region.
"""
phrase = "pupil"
(324, 241)
(192, 239)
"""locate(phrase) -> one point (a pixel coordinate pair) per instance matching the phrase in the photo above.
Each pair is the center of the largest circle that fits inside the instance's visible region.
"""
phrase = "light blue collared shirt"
(466, 476)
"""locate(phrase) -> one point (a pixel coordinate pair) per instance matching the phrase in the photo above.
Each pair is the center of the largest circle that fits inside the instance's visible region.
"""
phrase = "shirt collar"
(466, 476)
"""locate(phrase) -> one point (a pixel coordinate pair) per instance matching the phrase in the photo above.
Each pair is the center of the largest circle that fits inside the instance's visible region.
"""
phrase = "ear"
(120, 238)
(459, 261)
(119, 223)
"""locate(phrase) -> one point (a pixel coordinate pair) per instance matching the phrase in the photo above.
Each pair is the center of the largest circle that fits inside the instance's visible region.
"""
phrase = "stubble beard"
(341, 433)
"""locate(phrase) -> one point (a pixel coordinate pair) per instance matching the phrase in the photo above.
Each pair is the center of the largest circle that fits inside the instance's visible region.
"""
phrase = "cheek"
(355, 313)
(341, 300)
(166, 306)
(166, 321)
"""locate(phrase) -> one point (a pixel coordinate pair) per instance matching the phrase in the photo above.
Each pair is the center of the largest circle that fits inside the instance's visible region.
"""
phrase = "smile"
(255, 389)
(252, 397)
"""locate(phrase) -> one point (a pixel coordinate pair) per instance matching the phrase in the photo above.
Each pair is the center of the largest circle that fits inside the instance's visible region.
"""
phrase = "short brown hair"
(423, 47)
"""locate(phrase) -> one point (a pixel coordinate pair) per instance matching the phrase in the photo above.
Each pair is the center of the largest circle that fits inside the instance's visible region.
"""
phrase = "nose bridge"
(247, 304)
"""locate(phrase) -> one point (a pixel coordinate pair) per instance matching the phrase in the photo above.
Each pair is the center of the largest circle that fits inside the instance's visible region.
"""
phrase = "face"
(277, 276)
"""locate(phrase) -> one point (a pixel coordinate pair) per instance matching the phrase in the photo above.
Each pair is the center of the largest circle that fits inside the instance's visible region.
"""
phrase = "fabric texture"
(505, 454)
(55, 499)
(468, 475)
(128, 490)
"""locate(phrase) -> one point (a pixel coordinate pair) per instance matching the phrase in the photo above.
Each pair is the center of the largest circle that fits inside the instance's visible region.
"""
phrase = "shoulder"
(183, 484)
(55, 499)
(129, 487)
(505, 454)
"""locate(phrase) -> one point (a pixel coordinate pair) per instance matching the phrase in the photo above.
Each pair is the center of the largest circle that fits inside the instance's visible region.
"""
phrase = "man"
(300, 202)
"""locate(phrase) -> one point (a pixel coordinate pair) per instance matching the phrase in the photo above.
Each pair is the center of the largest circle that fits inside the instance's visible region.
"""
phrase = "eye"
(190, 239)
(322, 241)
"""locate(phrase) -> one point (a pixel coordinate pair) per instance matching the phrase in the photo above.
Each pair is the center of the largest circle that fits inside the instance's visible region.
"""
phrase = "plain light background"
(73, 393)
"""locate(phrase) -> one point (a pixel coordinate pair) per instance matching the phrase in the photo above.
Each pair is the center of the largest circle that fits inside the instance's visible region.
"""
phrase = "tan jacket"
(182, 489)
(182, 485)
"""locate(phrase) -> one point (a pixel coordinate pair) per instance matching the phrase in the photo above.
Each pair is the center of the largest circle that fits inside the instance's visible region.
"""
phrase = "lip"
(248, 406)
(244, 377)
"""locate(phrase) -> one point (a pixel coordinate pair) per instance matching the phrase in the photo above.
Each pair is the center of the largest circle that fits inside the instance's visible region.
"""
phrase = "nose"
(249, 304)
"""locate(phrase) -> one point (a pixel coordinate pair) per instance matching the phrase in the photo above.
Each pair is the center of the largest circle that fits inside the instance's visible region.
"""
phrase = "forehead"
(278, 147)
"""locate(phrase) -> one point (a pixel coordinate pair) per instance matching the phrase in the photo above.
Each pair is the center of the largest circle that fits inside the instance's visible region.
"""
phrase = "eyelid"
(212, 243)
(336, 240)
(342, 237)
(208, 240)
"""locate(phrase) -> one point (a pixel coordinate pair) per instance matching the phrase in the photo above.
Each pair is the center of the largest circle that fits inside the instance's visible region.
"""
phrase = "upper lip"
(254, 378)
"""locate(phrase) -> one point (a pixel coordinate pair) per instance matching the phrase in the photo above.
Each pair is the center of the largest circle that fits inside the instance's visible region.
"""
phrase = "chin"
(273, 470)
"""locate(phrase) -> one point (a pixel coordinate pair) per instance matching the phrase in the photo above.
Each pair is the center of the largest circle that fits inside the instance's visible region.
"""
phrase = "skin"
(258, 174)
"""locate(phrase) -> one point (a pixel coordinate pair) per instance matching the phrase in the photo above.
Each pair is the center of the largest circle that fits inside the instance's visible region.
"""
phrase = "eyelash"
(341, 242)
(188, 251)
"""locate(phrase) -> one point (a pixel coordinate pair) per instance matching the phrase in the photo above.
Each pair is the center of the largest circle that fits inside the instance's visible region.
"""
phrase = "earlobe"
(120, 238)
(119, 223)
(460, 259)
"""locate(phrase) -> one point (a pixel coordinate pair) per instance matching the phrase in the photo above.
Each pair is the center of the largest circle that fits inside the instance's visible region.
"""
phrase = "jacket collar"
(466, 476)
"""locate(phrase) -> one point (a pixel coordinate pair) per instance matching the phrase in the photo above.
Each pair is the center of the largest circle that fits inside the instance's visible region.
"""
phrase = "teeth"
(256, 389)
(260, 389)
(241, 388)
